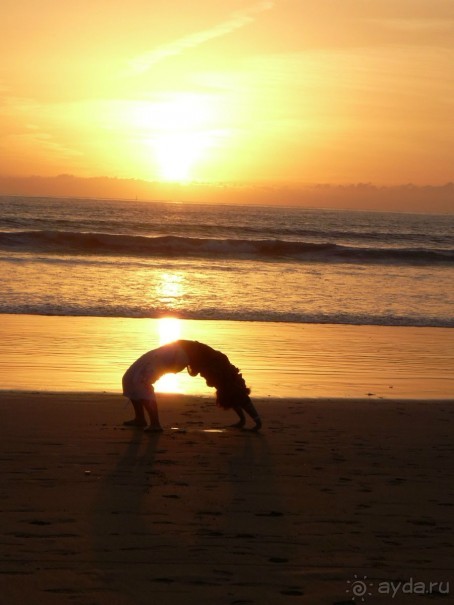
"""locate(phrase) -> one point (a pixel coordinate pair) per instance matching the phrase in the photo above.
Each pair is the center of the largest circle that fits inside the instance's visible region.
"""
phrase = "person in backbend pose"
(198, 358)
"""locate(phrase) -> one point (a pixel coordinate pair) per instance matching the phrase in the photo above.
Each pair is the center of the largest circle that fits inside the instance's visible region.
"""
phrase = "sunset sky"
(285, 91)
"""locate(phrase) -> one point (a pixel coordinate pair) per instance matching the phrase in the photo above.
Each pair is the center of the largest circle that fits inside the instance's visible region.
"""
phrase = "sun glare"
(169, 329)
(177, 153)
(179, 130)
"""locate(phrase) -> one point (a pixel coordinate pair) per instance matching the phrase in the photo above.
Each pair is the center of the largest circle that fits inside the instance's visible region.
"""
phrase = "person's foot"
(135, 422)
(258, 425)
(238, 425)
(153, 429)
(256, 428)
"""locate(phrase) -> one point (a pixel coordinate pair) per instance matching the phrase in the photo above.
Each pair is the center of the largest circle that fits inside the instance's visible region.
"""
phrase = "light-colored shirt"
(144, 372)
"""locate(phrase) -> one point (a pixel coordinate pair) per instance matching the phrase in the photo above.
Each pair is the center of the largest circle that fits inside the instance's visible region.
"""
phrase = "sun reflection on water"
(170, 288)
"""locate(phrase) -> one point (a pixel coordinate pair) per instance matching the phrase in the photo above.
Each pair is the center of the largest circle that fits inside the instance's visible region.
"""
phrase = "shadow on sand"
(194, 513)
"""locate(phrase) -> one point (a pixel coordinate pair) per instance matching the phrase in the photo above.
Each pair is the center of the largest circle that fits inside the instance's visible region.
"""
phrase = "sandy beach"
(335, 498)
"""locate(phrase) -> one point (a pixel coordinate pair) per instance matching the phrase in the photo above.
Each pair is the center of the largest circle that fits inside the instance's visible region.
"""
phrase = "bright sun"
(177, 153)
(180, 129)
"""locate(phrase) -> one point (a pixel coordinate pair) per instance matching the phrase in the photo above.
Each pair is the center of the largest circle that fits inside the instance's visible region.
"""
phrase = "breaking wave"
(61, 242)
(75, 309)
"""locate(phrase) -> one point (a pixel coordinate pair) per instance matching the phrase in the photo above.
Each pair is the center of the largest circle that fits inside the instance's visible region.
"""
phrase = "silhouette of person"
(198, 358)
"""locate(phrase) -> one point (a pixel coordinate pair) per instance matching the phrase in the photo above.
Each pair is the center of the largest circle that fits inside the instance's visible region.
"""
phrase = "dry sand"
(93, 513)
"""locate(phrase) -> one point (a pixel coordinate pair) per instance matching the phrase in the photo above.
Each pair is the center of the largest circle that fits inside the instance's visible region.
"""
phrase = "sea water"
(308, 303)
(150, 259)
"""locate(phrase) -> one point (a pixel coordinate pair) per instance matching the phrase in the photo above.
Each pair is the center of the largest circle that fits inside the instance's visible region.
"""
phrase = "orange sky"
(283, 91)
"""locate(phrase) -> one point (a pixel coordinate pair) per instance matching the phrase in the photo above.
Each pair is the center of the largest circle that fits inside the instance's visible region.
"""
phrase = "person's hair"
(218, 372)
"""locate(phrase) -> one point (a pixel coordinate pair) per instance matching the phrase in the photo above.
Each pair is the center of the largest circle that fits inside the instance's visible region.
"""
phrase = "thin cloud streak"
(237, 21)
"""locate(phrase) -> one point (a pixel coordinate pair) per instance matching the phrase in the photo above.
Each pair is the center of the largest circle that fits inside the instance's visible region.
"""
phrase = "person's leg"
(139, 419)
(242, 421)
(152, 408)
(250, 410)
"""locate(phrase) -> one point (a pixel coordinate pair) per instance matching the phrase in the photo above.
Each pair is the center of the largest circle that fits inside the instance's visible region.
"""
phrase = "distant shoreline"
(405, 198)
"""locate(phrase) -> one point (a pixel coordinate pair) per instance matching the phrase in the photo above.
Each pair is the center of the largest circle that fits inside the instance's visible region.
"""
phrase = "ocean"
(308, 303)
(72, 257)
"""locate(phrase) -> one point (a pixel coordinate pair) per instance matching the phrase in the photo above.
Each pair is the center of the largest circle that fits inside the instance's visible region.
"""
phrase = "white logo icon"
(358, 588)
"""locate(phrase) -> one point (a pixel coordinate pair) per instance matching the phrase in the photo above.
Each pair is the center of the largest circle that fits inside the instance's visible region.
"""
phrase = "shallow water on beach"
(277, 359)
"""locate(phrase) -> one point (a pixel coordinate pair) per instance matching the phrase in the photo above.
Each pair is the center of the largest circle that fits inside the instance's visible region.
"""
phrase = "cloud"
(238, 20)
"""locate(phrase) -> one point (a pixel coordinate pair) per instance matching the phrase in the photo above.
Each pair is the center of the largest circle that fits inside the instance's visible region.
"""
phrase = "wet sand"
(329, 492)
(277, 359)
